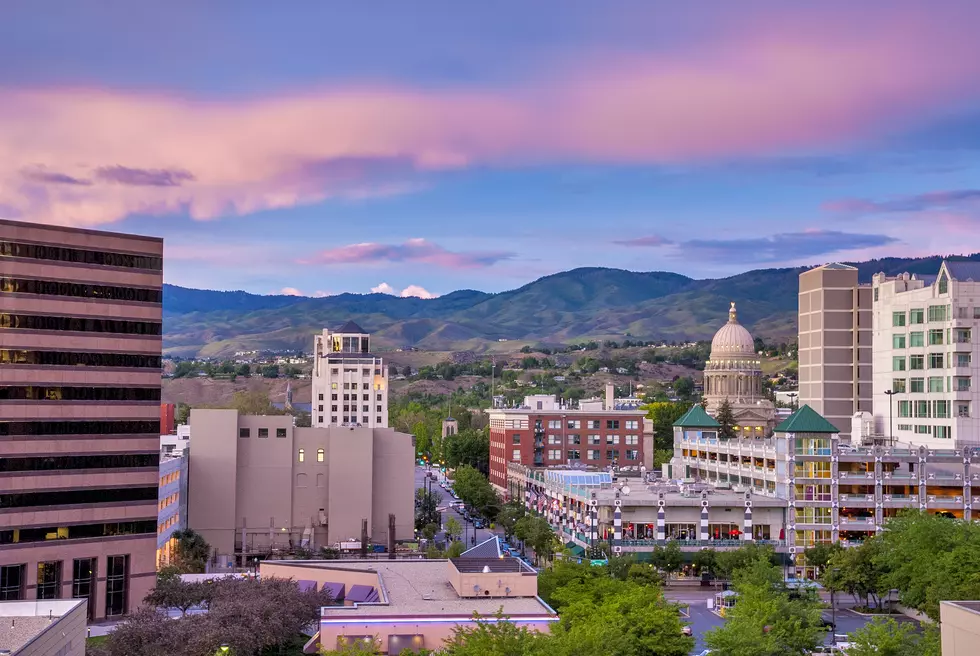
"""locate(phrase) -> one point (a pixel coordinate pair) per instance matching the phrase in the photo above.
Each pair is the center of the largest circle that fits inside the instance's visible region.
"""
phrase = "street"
(469, 533)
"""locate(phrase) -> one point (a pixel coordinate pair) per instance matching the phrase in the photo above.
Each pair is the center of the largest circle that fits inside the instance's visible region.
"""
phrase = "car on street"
(477, 523)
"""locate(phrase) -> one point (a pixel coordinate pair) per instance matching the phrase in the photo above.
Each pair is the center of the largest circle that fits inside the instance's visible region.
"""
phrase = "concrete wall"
(351, 483)
(960, 624)
(212, 477)
(391, 479)
(496, 583)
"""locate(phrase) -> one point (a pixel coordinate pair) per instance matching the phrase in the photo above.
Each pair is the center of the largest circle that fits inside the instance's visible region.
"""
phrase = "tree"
(182, 413)
(270, 371)
(727, 421)
(887, 638)
(728, 563)
(536, 533)
(509, 515)
(859, 571)
(475, 490)
(497, 638)
(468, 447)
(453, 529)
(456, 549)
(705, 561)
(684, 388)
(172, 592)
(427, 508)
(820, 554)
(764, 620)
(561, 574)
(429, 531)
(662, 415)
(243, 370)
(192, 552)
(406, 371)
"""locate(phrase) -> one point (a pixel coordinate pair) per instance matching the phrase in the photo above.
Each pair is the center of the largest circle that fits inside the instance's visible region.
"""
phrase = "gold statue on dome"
(731, 313)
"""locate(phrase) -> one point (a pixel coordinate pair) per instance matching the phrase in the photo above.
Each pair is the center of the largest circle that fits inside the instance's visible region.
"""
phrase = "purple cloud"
(143, 177)
(413, 250)
(649, 241)
(916, 203)
(784, 247)
(52, 177)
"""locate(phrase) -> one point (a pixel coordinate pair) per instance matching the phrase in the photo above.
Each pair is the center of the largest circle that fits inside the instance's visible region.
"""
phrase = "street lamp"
(792, 400)
(890, 393)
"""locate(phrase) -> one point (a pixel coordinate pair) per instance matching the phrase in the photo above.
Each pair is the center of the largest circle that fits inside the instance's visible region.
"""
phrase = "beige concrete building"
(258, 485)
(45, 628)
(407, 605)
(835, 344)
(350, 384)
(960, 624)
(80, 324)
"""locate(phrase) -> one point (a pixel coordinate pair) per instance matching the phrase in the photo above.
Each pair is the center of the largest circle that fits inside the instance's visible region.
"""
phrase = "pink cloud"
(414, 250)
(290, 291)
(410, 291)
(648, 241)
(91, 156)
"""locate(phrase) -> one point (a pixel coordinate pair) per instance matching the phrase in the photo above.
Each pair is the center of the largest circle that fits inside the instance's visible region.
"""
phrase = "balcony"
(856, 475)
(902, 477)
(934, 501)
(857, 499)
(857, 523)
(899, 500)
(696, 545)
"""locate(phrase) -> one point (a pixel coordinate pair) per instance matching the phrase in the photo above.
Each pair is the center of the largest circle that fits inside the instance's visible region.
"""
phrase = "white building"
(176, 443)
(350, 384)
(924, 356)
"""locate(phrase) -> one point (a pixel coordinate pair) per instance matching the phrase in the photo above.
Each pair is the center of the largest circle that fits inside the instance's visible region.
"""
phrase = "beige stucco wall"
(392, 478)
(212, 477)
(960, 628)
(433, 635)
(496, 583)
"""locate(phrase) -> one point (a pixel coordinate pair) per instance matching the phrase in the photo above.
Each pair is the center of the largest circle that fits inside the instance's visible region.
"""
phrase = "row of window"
(935, 384)
(167, 479)
(80, 256)
(51, 463)
(80, 359)
(932, 409)
(352, 419)
(13, 580)
(558, 455)
(262, 432)
(45, 428)
(349, 370)
(41, 393)
(76, 532)
(80, 290)
(611, 424)
(78, 324)
(918, 316)
(75, 497)
(352, 408)
(939, 432)
(320, 455)
(935, 337)
(167, 523)
(918, 362)
(353, 386)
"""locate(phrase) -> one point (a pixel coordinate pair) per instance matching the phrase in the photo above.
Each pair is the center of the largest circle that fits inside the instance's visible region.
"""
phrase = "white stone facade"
(350, 384)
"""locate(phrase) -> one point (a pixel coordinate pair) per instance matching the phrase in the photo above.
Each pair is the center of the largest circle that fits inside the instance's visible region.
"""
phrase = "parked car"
(826, 624)
(477, 523)
(687, 630)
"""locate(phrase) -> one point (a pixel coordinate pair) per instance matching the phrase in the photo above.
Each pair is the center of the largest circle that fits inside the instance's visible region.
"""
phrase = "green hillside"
(589, 303)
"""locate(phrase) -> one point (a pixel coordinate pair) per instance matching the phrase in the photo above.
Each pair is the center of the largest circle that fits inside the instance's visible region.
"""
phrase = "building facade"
(80, 326)
(545, 433)
(350, 384)
(257, 485)
(172, 505)
(925, 359)
(835, 344)
(733, 375)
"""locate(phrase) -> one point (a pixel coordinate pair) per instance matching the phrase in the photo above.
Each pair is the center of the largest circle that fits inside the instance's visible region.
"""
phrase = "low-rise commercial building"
(172, 509)
(544, 432)
(54, 627)
(960, 625)
(258, 485)
(407, 605)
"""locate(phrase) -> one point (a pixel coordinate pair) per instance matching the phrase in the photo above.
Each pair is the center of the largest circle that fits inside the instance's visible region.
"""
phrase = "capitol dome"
(732, 339)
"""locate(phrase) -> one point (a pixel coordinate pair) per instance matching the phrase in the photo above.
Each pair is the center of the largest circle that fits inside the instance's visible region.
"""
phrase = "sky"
(316, 148)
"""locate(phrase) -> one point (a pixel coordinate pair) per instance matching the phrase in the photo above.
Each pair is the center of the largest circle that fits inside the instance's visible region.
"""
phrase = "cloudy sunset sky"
(421, 147)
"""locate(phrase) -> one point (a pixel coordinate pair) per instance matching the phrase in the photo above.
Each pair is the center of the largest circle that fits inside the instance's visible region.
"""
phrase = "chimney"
(610, 396)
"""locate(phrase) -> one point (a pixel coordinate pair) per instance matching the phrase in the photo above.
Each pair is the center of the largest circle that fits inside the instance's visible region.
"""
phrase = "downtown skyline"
(327, 148)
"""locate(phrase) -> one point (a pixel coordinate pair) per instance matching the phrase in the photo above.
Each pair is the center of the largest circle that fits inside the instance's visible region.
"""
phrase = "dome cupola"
(732, 339)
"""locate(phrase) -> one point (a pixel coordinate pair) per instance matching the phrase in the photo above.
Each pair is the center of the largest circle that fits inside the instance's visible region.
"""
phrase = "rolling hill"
(587, 303)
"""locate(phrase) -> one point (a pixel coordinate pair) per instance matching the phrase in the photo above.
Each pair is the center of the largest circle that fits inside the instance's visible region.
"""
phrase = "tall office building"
(80, 323)
(835, 344)
(350, 384)
(925, 356)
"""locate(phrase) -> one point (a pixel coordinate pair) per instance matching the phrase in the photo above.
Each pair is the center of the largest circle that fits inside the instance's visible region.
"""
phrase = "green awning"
(575, 549)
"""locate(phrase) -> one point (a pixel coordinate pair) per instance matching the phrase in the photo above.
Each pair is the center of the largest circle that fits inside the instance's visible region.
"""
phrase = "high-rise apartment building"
(925, 358)
(80, 324)
(835, 344)
(350, 384)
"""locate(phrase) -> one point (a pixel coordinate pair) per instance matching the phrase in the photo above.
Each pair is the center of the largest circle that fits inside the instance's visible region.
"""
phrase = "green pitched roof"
(696, 417)
(806, 420)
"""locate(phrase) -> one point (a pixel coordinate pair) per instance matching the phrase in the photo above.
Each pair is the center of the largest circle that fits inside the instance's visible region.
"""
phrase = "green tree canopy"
(727, 421)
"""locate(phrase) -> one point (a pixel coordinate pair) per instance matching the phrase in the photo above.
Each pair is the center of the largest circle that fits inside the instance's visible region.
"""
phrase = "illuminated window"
(319, 455)
(302, 455)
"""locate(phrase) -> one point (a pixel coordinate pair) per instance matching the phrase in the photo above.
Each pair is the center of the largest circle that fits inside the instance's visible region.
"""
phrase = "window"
(333, 419)
(904, 408)
(64, 358)
(574, 454)
(593, 454)
(595, 439)
(78, 496)
(280, 432)
(263, 432)
(943, 284)
(80, 290)
(80, 256)
(898, 385)
(612, 424)
(319, 455)
(554, 423)
(962, 408)
(935, 383)
(364, 386)
(319, 408)
(916, 339)
(365, 397)
(632, 440)
(53, 463)
(632, 424)
(917, 362)
(938, 313)
(379, 398)
(920, 409)
(963, 359)
(935, 336)
(365, 420)
(898, 363)
(593, 423)
(612, 439)
(917, 385)
(516, 455)
(378, 409)
(78, 324)
(898, 319)
(898, 341)
(574, 439)
(333, 408)
(941, 409)
(942, 432)
(12, 582)
(554, 439)
(320, 398)
(632, 454)
(917, 316)
(333, 397)
(79, 427)
(55, 393)
(876, 294)
(516, 438)
(554, 454)
(905, 427)
(923, 430)
(935, 360)
(612, 454)
(117, 577)
(574, 423)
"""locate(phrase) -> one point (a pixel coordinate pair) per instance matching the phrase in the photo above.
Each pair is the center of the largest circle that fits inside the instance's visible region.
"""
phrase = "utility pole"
(391, 536)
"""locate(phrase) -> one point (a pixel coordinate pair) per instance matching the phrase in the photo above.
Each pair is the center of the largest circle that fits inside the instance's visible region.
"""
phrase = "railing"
(932, 498)
(813, 451)
(857, 520)
(902, 498)
(700, 543)
(864, 498)
(855, 474)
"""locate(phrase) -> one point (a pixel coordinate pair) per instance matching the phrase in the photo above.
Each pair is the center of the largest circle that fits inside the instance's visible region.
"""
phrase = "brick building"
(545, 433)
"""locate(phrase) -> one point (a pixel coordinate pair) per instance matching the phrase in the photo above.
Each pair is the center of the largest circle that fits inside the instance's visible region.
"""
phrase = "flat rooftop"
(418, 587)
(23, 621)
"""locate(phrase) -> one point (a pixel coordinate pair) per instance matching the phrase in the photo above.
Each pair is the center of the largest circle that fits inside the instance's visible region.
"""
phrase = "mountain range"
(585, 303)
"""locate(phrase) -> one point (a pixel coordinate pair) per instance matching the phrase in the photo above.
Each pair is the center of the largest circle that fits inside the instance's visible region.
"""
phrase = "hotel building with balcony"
(80, 340)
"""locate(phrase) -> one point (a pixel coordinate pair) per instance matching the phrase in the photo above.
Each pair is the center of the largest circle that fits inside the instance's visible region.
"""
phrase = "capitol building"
(733, 373)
